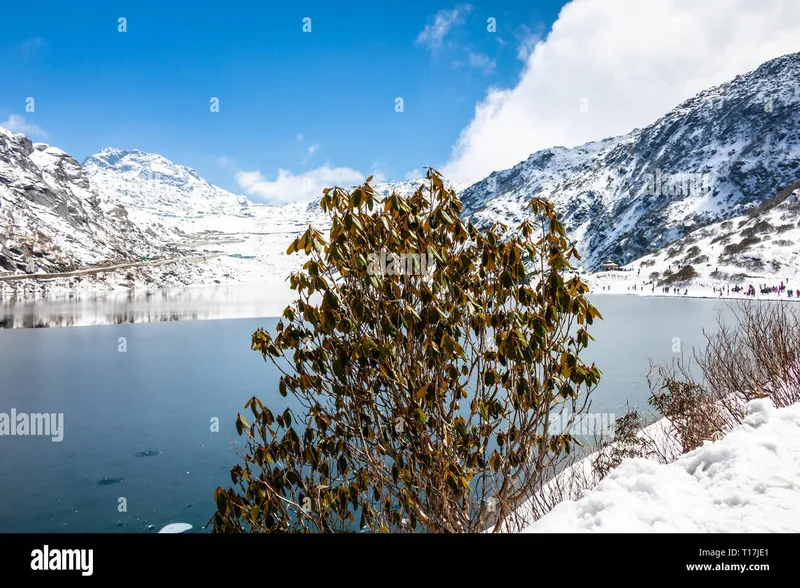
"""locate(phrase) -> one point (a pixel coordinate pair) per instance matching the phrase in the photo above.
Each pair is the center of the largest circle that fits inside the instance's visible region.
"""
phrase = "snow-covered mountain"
(711, 159)
(52, 218)
(159, 194)
(125, 205)
(761, 246)
(150, 183)
(147, 181)
(240, 241)
(171, 201)
(707, 160)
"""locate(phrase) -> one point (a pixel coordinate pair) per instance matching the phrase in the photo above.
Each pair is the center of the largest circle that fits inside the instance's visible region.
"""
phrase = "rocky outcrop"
(52, 218)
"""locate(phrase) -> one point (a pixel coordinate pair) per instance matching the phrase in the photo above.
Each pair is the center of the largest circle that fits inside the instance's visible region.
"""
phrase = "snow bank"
(748, 481)
(661, 443)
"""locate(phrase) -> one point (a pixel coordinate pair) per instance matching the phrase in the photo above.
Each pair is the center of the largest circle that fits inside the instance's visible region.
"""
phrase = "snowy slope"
(173, 205)
(761, 247)
(172, 198)
(169, 197)
(52, 218)
(160, 195)
(148, 181)
(124, 205)
(703, 162)
(748, 481)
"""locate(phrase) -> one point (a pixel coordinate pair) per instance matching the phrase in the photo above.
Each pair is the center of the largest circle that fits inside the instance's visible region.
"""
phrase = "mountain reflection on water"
(113, 308)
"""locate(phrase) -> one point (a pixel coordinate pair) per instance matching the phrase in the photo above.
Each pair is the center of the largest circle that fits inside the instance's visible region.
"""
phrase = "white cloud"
(299, 136)
(224, 161)
(18, 124)
(482, 62)
(632, 61)
(290, 187)
(432, 36)
(414, 174)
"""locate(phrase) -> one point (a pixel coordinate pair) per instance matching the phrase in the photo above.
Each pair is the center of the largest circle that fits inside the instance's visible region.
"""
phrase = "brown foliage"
(427, 396)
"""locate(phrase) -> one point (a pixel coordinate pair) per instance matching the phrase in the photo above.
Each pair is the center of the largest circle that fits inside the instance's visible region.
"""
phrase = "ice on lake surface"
(176, 528)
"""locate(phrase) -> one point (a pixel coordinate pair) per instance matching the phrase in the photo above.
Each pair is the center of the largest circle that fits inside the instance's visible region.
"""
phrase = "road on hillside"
(108, 268)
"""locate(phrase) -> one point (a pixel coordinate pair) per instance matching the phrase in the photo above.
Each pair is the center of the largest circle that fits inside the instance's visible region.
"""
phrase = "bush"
(758, 357)
(754, 357)
(753, 264)
(690, 411)
(685, 274)
(626, 443)
(428, 397)
(718, 275)
(742, 245)
(760, 227)
(723, 239)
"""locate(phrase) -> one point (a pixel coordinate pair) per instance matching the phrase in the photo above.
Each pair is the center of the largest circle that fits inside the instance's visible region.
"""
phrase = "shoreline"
(40, 290)
(757, 297)
(198, 302)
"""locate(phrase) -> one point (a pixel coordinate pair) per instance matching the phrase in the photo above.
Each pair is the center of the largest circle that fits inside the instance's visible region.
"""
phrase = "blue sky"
(318, 108)
(150, 87)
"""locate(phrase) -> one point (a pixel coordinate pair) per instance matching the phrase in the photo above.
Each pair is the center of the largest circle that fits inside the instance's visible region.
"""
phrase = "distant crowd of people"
(665, 290)
(749, 290)
(778, 289)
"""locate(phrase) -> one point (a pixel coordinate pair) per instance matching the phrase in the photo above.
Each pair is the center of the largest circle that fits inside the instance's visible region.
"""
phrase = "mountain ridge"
(734, 136)
(711, 158)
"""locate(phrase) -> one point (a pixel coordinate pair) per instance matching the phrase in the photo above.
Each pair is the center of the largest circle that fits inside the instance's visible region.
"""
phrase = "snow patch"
(748, 481)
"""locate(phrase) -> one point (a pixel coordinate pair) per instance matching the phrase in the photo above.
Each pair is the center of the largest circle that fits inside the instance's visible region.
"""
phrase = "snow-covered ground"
(748, 481)
(622, 283)
(758, 249)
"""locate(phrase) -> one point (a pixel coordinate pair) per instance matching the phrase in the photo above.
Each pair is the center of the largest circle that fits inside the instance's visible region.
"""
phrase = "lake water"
(137, 424)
